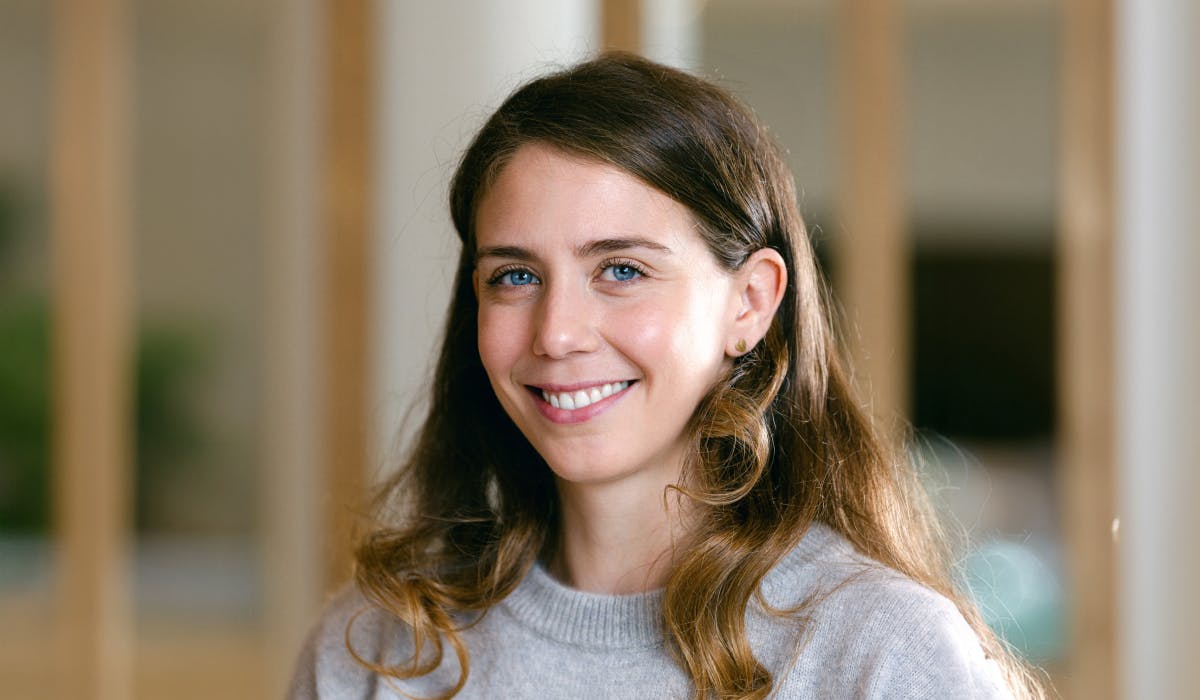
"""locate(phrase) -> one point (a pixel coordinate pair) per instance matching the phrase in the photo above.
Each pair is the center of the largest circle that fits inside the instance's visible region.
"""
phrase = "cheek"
(642, 328)
(685, 335)
(501, 339)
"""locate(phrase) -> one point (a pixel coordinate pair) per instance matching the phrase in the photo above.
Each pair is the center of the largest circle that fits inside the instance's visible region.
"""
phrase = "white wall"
(671, 32)
(1158, 325)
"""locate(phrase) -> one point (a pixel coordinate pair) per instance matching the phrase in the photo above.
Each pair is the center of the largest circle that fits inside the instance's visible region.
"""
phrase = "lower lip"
(578, 415)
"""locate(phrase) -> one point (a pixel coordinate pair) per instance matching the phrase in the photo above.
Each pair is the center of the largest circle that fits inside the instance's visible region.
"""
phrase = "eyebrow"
(614, 245)
(505, 251)
(590, 249)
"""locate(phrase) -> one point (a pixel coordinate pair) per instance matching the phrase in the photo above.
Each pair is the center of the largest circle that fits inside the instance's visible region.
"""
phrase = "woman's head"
(603, 317)
(685, 142)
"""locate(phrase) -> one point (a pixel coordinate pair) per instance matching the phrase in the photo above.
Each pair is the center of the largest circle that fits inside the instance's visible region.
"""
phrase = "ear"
(760, 284)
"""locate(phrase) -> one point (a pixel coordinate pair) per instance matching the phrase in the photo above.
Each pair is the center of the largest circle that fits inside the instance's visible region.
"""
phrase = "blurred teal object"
(1019, 595)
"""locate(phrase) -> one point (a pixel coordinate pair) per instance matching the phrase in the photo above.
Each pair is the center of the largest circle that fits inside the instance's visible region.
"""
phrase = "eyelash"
(498, 275)
(503, 272)
(622, 262)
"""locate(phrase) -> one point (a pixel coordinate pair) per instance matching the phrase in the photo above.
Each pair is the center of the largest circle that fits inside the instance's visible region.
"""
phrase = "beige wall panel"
(92, 262)
(1085, 361)
(871, 238)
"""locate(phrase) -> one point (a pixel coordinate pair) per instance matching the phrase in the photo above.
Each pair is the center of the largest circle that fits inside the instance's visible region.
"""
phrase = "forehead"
(543, 194)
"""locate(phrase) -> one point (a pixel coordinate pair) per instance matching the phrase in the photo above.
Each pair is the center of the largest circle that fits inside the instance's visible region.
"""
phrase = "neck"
(616, 538)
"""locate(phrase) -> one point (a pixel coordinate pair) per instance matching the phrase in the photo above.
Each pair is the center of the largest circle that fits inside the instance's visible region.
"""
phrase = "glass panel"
(199, 174)
(981, 100)
(26, 575)
(777, 57)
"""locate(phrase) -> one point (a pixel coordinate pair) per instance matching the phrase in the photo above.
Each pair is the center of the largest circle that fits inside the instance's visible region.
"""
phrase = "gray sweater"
(878, 635)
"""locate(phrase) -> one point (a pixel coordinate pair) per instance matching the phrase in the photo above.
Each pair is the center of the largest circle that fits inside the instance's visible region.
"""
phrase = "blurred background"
(225, 258)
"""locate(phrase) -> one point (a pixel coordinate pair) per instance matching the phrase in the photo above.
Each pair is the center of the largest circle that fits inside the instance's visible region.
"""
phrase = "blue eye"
(517, 278)
(623, 273)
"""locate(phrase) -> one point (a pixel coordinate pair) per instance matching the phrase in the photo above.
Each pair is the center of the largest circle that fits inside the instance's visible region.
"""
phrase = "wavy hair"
(778, 443)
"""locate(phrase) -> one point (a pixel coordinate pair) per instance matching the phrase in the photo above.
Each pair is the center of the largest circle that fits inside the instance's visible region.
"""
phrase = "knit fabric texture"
(869, 633)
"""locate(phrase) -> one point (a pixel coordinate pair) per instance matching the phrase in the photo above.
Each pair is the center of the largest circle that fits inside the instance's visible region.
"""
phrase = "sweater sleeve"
(304, 678)
(933, 653)
(325, 667)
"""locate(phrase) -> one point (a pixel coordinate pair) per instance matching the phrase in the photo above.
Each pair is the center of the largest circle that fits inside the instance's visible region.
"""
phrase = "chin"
(599, 469)
(574, 472)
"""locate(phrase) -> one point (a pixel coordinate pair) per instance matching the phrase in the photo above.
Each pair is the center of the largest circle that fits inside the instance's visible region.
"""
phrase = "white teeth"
(572, 400)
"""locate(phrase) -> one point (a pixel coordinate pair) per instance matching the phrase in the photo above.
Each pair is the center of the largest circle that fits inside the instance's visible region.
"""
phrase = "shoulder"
(888, 636)
(326, 666)
(912, 642)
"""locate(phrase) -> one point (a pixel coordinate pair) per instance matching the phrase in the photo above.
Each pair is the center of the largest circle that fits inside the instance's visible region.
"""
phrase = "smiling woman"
(615, 288)
(643, 472)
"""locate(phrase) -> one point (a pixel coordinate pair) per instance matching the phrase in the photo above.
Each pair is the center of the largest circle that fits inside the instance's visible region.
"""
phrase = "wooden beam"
(92, 272)
(293, 447)
(1086, 364)
(871, 245)
(621, 25)
(348, 95)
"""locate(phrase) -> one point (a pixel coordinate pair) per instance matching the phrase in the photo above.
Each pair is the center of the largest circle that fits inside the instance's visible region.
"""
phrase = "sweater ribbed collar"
(613, 622)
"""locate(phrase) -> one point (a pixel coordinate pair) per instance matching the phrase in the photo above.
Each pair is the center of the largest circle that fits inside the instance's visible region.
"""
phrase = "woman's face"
(603, 317)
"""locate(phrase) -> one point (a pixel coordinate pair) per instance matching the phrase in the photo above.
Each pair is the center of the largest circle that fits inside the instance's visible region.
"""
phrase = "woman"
(643, 473)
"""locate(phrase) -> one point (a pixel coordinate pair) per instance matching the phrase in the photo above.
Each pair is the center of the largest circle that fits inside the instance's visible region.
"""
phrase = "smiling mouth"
(581, 398)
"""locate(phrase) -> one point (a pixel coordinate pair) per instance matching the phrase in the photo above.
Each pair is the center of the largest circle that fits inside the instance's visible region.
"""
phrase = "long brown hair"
(779, 443)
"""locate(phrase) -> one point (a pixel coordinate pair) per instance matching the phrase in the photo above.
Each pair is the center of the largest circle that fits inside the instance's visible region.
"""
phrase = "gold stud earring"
(741, 345)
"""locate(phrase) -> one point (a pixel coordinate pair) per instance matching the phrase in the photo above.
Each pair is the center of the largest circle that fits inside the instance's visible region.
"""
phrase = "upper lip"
(576, 386)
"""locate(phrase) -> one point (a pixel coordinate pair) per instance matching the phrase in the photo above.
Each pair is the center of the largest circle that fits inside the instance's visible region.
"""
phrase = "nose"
(565, 322)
